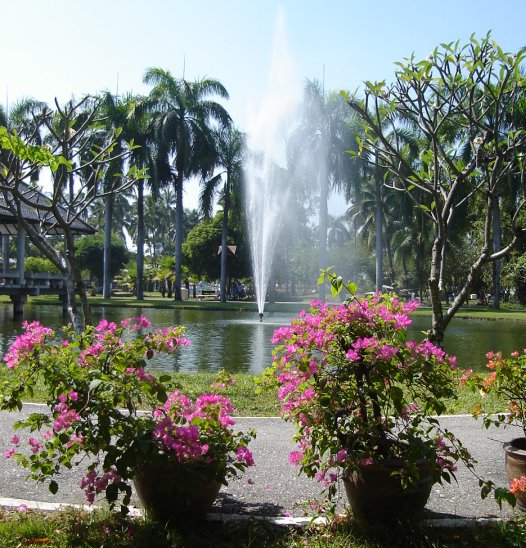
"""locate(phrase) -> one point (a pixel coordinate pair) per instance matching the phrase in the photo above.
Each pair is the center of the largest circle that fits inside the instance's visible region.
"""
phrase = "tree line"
(429, 167)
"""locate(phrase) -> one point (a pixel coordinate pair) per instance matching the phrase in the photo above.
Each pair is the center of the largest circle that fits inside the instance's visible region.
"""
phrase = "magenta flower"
(295, 457)
(244, 455)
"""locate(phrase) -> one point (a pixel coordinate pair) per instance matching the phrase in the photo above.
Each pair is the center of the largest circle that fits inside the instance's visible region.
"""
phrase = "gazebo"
(16, 282)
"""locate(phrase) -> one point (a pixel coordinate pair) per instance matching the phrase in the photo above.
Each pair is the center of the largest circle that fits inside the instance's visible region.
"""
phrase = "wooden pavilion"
(15, 282)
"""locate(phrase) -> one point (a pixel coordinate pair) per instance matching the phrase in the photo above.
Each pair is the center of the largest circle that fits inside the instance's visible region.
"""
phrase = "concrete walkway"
(273, 488)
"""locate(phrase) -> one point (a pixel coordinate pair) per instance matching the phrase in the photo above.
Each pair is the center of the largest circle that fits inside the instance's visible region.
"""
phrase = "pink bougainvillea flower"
(295, 457)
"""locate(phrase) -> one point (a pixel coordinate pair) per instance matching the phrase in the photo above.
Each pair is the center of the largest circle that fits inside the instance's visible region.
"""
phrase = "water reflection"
(239, 342)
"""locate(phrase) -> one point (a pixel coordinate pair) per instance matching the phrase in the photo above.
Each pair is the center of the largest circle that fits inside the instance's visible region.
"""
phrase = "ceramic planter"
(170, 493)
(375, 494)
(515, 451)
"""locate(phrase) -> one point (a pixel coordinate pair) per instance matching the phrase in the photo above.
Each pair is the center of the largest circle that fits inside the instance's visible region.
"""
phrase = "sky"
(62, 48)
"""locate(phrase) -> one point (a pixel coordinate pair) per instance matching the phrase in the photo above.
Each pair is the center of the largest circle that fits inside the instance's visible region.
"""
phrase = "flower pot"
(375, 494)
(171, 493)
(515, 451)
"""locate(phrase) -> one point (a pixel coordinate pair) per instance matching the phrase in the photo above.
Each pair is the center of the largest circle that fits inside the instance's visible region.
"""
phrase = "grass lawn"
(74, 528)
(248, 401)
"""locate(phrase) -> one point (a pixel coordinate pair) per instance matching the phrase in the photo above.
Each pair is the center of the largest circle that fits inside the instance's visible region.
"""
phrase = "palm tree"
(113, 110)
(123, 219)
(231, 149)
(183, 119)
(326, 134)
(377, 213)
(139, 130)
(159, 229)
(338, 233)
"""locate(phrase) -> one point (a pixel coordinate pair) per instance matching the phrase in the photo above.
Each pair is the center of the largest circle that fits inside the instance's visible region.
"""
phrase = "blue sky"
(56, 48)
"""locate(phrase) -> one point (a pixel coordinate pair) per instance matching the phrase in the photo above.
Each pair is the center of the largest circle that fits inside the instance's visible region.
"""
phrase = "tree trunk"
(379, 248)
(80, 288)
(224, 243)
(496, 247)
(324, 194)
(436, 334)
(389, 251)
(108, 222)
(178, 235)
(140, 240)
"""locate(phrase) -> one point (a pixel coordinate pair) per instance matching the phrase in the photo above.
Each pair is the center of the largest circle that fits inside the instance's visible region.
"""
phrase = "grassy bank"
(250, 402)
(154, 300)
(507, 311)
(77, 529)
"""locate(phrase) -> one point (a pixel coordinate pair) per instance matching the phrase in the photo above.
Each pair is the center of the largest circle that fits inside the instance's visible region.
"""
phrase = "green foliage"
(201, 250)
(38, 264)
(90, 255)
(40, 155)
(336, 282)
(516, 271)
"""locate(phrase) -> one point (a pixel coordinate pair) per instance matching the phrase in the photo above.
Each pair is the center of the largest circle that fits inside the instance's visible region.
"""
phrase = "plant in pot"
(365, 402)
(507, 380)
(106, 413)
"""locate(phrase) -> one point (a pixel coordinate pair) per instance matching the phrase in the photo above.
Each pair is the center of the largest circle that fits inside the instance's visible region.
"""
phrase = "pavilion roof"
(35, 215)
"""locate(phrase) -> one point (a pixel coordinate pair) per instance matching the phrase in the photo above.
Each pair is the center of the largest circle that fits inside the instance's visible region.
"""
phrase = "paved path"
(272, 487)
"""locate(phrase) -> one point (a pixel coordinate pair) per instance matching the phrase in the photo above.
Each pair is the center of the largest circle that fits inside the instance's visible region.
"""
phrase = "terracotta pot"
(515, 451)
(171, 494)
(376, 495)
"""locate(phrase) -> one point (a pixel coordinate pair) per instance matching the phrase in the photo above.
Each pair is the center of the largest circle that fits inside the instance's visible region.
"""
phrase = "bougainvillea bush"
(506, 377)
(108, 413)
(359, 392)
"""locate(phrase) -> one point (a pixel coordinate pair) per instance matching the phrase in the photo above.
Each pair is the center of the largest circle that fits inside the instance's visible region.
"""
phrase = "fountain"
(266, 194)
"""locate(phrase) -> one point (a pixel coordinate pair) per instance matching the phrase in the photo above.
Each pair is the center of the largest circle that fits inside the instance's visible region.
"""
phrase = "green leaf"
(336, 285)
(397, 394)
(53, 487)
(94, 384)
(352, 288)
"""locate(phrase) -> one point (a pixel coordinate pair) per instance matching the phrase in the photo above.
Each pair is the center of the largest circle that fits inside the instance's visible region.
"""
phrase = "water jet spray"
(266, 184)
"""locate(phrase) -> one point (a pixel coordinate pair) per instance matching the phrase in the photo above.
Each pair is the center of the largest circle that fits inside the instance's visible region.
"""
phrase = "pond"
(239, 342)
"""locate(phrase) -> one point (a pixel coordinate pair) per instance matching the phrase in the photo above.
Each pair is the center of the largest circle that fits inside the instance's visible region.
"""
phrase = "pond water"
(239, 342)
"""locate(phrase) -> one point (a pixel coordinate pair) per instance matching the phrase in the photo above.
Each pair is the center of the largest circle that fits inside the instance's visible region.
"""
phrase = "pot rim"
(511, 446)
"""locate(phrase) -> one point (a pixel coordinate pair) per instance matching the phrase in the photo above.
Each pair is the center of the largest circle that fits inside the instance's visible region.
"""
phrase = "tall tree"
(183, 120)
(456, 87)
(159, 215)
(326, 135)
(113, 111)
(231, 149)
(139, 130)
